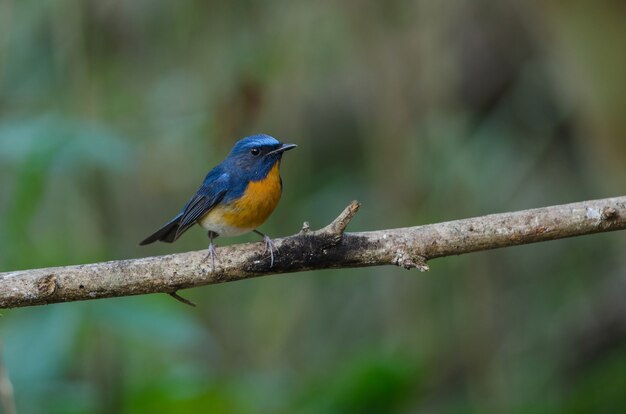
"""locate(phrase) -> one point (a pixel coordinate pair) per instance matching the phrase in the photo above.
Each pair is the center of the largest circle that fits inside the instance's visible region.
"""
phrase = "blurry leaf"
(370, 384)
(152, 321)
(28, 190)
(219, 398)
(70, 143)
(38, 149)
(38, 345)
(600, 388)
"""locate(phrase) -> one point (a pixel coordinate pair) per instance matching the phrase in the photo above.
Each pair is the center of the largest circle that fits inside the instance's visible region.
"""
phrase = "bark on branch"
(330, 247)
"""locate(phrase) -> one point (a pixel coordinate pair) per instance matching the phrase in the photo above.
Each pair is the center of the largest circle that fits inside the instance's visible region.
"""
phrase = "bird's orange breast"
(257, 203)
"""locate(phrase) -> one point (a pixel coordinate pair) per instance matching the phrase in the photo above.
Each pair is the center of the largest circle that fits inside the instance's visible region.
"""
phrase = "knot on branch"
(603, 216)
(306, 228)
(47, 285)
(609, 213)
(410, 261)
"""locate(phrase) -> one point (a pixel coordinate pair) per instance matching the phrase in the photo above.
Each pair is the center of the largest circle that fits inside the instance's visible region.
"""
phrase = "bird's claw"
(211, 255)
(271, 247)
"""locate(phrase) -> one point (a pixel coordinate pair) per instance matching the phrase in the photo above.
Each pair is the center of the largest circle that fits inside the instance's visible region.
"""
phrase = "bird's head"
(257, 154)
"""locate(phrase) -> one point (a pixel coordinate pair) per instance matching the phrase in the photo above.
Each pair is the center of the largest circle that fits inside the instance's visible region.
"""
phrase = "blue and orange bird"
(236, 197)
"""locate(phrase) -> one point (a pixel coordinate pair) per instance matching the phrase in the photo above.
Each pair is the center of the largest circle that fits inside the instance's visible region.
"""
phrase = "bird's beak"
(282, 148)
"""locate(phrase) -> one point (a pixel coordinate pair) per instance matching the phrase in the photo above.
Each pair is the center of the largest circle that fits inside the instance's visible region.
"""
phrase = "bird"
(236, 196)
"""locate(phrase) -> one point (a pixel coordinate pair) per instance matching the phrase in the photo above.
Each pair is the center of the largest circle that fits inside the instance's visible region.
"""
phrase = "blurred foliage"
(111, 112)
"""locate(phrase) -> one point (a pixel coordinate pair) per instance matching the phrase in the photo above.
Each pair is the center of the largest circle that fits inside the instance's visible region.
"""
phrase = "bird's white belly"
(213, 221)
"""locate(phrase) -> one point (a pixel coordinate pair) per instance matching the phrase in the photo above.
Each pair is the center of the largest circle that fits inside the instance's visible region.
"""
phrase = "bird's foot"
(211, 255)
(271, 247)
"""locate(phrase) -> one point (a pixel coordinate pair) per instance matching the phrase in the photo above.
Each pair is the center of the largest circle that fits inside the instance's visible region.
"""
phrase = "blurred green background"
(112, 112)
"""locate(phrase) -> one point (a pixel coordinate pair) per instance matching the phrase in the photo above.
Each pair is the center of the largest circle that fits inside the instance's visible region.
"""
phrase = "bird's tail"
(167, 233)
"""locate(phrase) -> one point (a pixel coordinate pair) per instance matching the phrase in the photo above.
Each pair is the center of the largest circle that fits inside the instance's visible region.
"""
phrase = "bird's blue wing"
(210, 194)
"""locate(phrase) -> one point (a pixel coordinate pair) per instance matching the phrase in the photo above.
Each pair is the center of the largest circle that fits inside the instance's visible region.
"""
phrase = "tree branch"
(327, 248)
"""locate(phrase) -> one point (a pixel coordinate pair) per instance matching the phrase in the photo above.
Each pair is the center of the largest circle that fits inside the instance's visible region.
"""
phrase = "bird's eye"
(255, 151)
